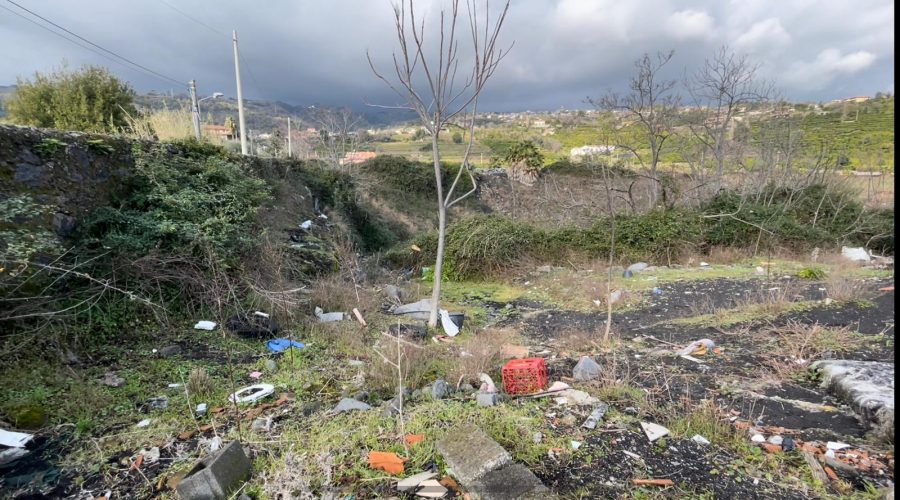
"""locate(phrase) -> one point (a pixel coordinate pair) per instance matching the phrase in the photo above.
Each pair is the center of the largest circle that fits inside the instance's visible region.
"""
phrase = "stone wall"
(71, 172)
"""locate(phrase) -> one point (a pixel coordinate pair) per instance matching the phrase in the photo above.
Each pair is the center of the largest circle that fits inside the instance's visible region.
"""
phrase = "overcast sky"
(313, 51)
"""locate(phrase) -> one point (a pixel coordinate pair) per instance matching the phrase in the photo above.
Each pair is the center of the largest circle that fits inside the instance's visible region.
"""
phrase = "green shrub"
(812, 273)
(486, 244)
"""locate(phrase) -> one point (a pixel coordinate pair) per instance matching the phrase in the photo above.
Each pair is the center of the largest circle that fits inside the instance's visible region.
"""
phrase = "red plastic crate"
(524, 376)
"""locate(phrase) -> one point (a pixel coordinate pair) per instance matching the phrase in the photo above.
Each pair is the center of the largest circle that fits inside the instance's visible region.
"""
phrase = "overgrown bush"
(181, 204)
(486, 244)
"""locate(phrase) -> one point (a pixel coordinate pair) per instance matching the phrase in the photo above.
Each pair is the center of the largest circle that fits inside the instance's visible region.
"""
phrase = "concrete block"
(216, 475)
(471, 453)
(511, 482)
(487, 399)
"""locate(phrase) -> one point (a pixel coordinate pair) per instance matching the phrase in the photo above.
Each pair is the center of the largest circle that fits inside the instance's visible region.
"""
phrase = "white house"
(590, 150)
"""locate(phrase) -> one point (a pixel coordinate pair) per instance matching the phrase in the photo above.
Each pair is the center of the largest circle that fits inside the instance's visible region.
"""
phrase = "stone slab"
(510, 482)
(471, 453)
(867, 386)
(217, 475)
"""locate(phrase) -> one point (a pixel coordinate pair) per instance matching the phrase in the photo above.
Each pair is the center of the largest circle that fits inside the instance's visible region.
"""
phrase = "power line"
(192, 18)
(144, 68)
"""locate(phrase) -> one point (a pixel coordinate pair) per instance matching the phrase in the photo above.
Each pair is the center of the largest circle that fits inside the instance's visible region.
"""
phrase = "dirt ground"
(755, 380)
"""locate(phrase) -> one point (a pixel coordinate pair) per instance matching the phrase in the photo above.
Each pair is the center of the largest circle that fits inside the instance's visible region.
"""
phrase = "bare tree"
(337, 134)
(651, 104)
(723, 86)
(426, 82)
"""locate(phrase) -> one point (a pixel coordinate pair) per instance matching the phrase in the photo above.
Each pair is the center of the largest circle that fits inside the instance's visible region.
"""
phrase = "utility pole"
(240, 97)
(290, 150)
(195, 108)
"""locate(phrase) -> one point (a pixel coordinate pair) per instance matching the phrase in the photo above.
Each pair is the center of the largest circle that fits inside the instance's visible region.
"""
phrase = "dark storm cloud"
(306, 52)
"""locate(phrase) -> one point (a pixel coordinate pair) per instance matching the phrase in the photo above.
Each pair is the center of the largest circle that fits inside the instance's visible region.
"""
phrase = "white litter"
(261, 314)
(174, 386)
(576, 445)
(760, 271)
(487, 384)
(776, 440)
(306, 224)
(704, 264)
(431, 489)
(323, 216)
(829, 453)
(448, 325)
(856, 254)
(325, 317)
(151, 455)
(632, 455)
(691, 358)
(700, 439)
(144, 423)
(14, 439)
(836, 445)
(11, 454)
(252, 393)
(758, 438)
(654, 431)
(414, 481)
(205, 325)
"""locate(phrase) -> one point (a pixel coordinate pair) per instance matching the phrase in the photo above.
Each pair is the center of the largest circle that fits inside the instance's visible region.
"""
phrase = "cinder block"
(471, 453)
(216, 475)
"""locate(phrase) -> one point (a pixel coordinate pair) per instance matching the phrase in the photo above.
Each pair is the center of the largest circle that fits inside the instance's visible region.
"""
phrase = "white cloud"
(828, 65)
(688, 24)
(764, 35)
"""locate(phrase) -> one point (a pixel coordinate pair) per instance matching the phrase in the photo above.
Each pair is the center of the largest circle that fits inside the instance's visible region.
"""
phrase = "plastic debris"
(415, 248)
(200, 410)
(205, 325)
(14, 439)
(12, 454)
(413, 482)
(386, 461)
(627, 274)
(174, 385)
(281, 345)
(576, 445)
(447, 324)
(255, 375)
(615, 296)
(704, 264)
(657, 291)
(151, 455)
(306, 224)
(637, 267)
(855, 254)
(586, 369)
(697, 348)
(760, 271)
(836, 445)
(487, 384)
(654, 431)
(325, 317)
(252, 393)
(158, 403)
(412, 439)
(758, 438)
(142, 423)
(700, 439)
(431, 489)
(596, 416)
(776, 440)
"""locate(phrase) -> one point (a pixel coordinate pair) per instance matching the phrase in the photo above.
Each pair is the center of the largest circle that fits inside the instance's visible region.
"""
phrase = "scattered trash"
(415, 248)
(856, 254)
(450, 328)
(255, 375)
(12, 454)
(776, 440)
(252, 393)
(487, 384)
(700, 439)
(151, 455)
(423, 305)
(412, 439)
(440, 389)
(174, 385)
(262, 424)
(576, 445)
(431, 489)
(359, 316)
(760, 271)
(637, 267)
(216, 475)
(205, 325)
(215, 443)
(111, 379)
(632, 455)
(14, 439)
(627, 274)
(386, 461)
(395, 293)
(142, 423)
(758, 438)
(325, 317)
(788, 444)
(586, 369)
(886, 289)
(652, 482)
(281, 345)
(704, 264)
(555, 388)
(596, 416)
(828, 301)
(523, 376)
(836, 445)
(615, 296)
(306, 224)
(537, 437)
(200, 410)
(255, 324)
(158, 403)
(697, 348)
(654, 431)
(657, 291)
(691, 358)
(414, 481)
(348, 404)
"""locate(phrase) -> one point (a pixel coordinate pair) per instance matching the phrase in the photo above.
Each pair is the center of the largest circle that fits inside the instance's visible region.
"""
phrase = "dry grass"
(483, 353)
(724, 255)
(420, 365)
(841, 288)
(798, 344)
(165, 124)
(198, 383)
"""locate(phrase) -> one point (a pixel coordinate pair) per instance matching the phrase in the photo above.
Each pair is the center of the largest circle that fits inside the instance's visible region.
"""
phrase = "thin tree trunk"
(442, 233)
